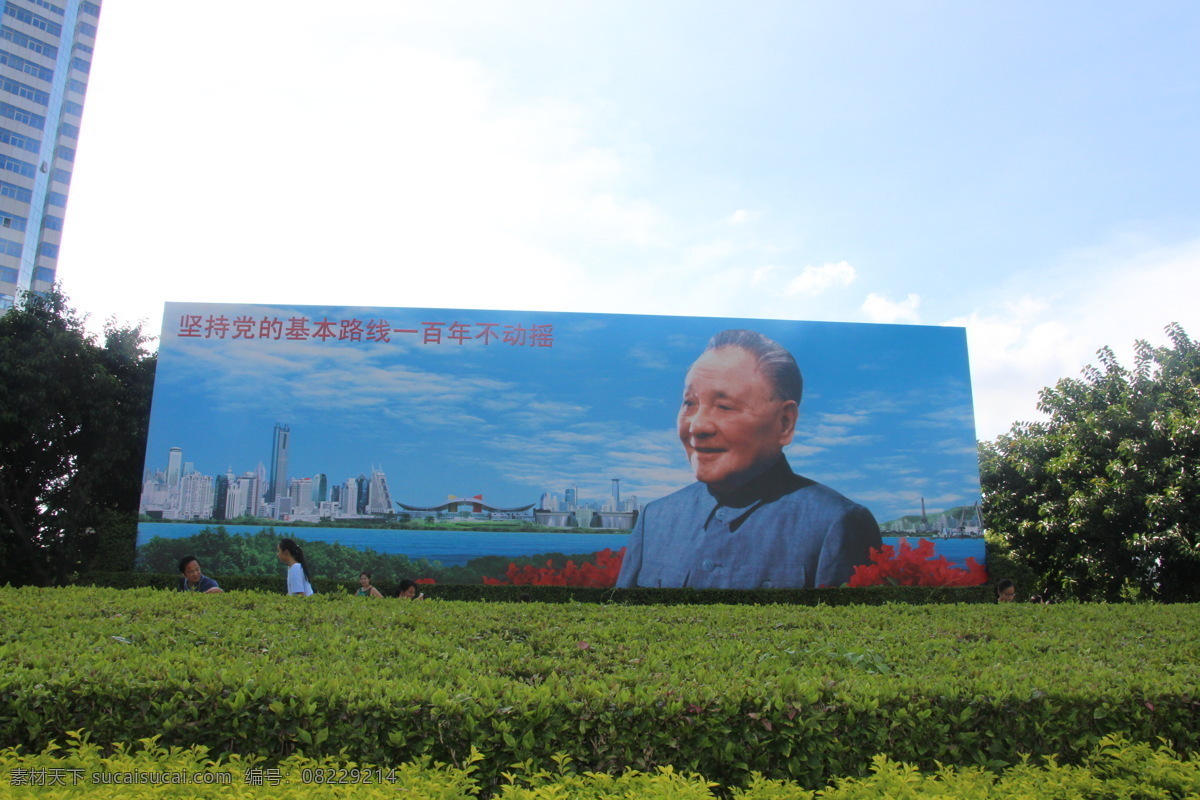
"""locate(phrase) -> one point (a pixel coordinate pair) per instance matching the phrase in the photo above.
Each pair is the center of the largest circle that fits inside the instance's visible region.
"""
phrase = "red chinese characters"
(299, 329)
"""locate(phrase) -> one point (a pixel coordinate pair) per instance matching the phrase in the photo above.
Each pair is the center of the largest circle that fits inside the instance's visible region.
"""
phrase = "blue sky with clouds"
(1026, 170)
(886, 416)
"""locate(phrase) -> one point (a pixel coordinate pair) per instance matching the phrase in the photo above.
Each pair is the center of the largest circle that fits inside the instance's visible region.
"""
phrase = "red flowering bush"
(425, 580)
(915, 566)
(601, 573)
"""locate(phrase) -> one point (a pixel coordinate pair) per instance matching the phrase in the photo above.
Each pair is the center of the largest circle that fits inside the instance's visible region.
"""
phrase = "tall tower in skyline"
(174, 458)
(279, 458)
(45, 57)
(379, 499)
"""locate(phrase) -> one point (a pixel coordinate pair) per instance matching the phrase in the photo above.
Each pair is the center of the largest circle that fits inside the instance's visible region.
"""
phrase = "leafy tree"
(73, 421)
(1102, 499)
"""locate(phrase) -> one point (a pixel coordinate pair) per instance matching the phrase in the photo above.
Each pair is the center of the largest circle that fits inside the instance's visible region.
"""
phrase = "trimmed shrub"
(804, 694)
(873, 595)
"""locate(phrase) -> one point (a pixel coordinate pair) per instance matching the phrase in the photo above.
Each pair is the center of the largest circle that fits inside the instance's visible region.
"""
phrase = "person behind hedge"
(193, 579)
(1006, 591)
(365, 589)
(408, 591)
(298, 582)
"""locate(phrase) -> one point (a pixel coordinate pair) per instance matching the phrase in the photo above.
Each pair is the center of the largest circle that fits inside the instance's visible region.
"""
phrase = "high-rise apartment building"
(45, 56)
(279, 463)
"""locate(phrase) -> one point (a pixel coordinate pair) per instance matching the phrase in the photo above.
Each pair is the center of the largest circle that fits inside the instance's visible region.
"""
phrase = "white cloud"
(761, 275)
(1105, 297)
(880, 309)
(738, 217)
(457, 192)
(815, 280)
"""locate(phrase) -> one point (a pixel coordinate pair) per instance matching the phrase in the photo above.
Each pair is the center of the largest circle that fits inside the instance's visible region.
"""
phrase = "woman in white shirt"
(297, 578)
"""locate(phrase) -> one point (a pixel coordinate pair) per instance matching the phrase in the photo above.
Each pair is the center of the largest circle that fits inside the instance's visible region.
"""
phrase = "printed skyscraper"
(45, 56)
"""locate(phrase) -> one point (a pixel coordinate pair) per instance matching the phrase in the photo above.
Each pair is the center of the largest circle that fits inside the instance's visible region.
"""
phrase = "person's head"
(741, 400)
(364, 579)
(190, 568)
(408, 590)
(1006, 591)
(289, 552)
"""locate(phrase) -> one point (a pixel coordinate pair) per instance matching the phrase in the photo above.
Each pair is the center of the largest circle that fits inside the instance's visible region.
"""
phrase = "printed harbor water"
(456, 548)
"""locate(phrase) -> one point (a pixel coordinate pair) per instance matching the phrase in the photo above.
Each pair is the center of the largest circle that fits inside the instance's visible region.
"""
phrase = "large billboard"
(455, 445)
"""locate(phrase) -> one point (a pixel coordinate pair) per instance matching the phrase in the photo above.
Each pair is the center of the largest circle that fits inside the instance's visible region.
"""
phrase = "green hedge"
(875, 595)
(804, 694)
(1115, 769)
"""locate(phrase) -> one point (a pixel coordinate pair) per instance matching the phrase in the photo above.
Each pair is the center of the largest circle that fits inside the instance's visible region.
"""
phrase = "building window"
(21, 115)
(79, 87)
(86, 29)
(68, 130)
(28, 42)
(23, 90)
(8, 275)
(41, 73)
(62, 176)
(48, 6)
(6, 301)
(11, 249)
(71, 107)
(20, 193)
(20, 167)
(89, 8)
(65, 153)
(29, 18)
(28, 67)
(51, 222)
(48, 250)
(83, 48)
(12, 221)
(83, 65)
(52, 199)
(44, 273)
(17, 140)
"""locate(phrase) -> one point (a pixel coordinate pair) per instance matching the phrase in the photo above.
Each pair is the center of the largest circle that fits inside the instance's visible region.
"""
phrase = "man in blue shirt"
(749, 522)
(193, 579)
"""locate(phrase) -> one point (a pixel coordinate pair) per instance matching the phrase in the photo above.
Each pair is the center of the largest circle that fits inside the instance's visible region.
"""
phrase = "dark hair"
(776, 363)
(364, 572)
(183, 562)
(405, 585)
(293, 549)
(1001, 585)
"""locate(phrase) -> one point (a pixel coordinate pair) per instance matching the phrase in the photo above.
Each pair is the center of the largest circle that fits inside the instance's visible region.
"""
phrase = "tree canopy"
(74, 413)
(1101, 499)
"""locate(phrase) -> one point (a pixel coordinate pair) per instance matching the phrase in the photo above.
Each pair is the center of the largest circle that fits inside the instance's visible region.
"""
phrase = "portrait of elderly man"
(748, 522)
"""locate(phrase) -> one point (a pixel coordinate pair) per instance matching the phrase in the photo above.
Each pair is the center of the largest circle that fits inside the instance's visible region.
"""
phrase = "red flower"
(601, 573)
(425, 580)
(915, 566)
